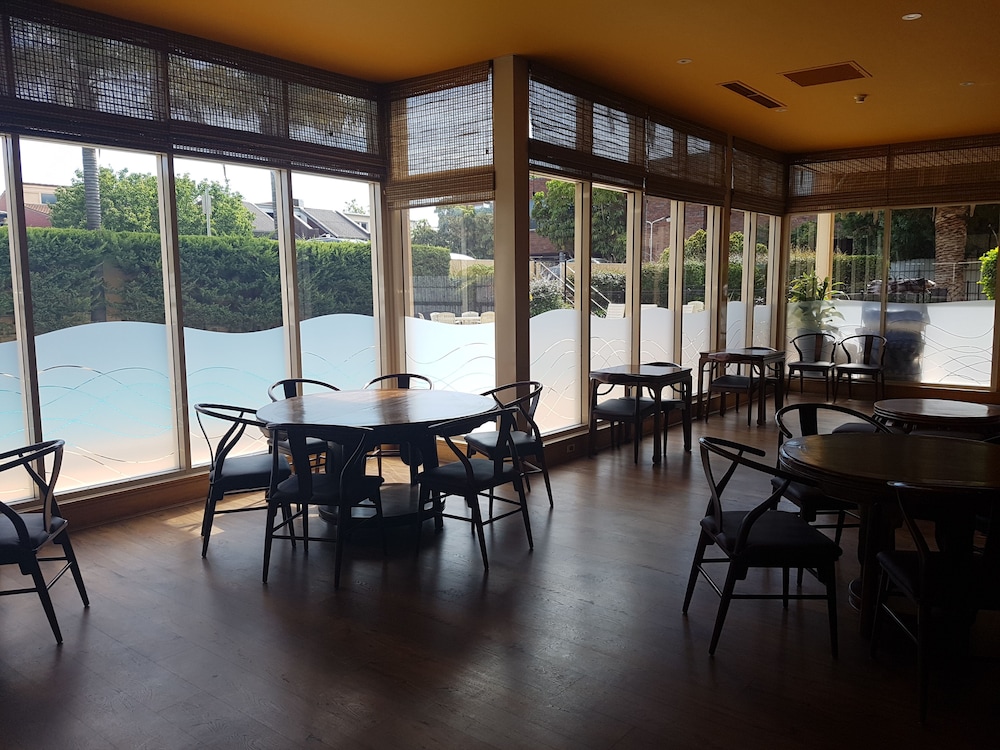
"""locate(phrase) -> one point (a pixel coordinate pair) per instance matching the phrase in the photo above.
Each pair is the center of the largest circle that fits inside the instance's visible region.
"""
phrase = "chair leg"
(830, 576)
(206, 522)
(43, 593)
(524, 512)
(923, 665)
(784, 588)
(699, 555)
(268, 538)
(540, 460)
(74, 567)
(720, 618)
(477, 521)
(343, 521)
(880, 597)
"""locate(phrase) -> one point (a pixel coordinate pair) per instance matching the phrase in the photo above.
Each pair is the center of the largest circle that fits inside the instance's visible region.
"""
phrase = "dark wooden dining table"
(939, 414)
(402, 416)
(759, 359)
(656, 378)
(857, 468)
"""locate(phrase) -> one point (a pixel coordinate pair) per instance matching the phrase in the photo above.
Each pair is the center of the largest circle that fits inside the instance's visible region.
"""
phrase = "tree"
(554, 215)
(422, 233)
(353, 207)
(129, 204)
(466, 229)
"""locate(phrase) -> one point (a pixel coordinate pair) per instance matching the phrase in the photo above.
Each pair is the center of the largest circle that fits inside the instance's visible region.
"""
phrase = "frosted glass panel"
(657, 326)
(736, 324)
(555, 363)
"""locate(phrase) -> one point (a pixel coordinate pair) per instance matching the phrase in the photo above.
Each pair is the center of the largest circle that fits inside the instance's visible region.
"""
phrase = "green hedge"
(228, 283)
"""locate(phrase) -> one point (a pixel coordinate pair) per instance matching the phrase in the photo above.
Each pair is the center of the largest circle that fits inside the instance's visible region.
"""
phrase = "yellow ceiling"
(916, 67)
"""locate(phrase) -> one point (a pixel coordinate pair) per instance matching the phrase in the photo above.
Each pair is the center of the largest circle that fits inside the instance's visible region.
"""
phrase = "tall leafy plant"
(811, 308)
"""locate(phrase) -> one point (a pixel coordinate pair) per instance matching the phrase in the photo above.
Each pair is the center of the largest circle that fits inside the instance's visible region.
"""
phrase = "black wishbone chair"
(407, 453)
(341, 485)
(523, 396)
(232, 474)
(27, 538)
(762, 537)
(475, 478)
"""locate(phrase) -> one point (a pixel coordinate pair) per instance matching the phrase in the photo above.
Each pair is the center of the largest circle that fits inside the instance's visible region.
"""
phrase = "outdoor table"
(857, 468)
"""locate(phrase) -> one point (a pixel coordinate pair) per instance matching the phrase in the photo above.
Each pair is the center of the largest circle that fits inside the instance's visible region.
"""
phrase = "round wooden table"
(389, 412)
(394, 415)
(858, 467)
(939, 414)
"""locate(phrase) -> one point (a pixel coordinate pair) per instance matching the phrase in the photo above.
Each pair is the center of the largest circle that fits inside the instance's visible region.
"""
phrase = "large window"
(699, 234)
(13, 484)
(450, 331)
(554, 303)
(609, 316)
(333, 250)
(230, 286)
(97, 296)
(926, 297)
(656, 325)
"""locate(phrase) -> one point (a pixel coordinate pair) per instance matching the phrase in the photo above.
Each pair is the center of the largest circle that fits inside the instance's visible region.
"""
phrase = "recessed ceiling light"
(912, 16)
(781, 109)
(685, 61)
(967, 83)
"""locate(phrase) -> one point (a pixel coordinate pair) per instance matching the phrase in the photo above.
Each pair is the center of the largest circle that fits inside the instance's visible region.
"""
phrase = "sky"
(52, 163)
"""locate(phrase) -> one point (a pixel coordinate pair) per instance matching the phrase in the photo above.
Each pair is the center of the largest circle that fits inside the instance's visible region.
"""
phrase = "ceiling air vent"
(846, 71)
(752, 94)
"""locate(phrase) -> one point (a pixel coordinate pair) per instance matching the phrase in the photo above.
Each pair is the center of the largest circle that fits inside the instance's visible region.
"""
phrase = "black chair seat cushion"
(857, 368)
(11, 550)
(246, 473)
(326, 488)
(486, 442)
(903, 569)
(811, 499)
(735, 382)
(810, 366)
(777, 539)
(619, 409)
(451, 477)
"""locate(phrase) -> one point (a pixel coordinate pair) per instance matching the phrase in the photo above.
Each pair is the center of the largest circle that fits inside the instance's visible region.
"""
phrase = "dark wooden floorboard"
(577, 644)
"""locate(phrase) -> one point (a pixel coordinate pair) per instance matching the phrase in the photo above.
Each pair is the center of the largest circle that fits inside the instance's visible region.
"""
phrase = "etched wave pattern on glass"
(555, 364)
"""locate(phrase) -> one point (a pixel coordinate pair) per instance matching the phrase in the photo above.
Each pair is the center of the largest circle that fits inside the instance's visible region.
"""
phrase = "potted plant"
(810, 308)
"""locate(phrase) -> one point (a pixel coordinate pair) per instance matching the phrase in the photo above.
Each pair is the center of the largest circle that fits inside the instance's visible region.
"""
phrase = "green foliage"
(334, 277)
(465, 229)
(422, 233)
(553, 211)
(810, 308)
(545, 295)
(988, 273)
(431, 261)
(129, 203)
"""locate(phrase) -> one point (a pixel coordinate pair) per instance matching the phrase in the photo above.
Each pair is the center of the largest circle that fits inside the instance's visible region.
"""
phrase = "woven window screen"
(81, 76)
(685, 161)
(760, 179)
(584, 131)
(441, 139)
(856, 178)
(964, 170)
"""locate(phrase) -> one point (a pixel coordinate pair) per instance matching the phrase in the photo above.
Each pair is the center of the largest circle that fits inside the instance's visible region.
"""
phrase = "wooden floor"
(578, 644)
